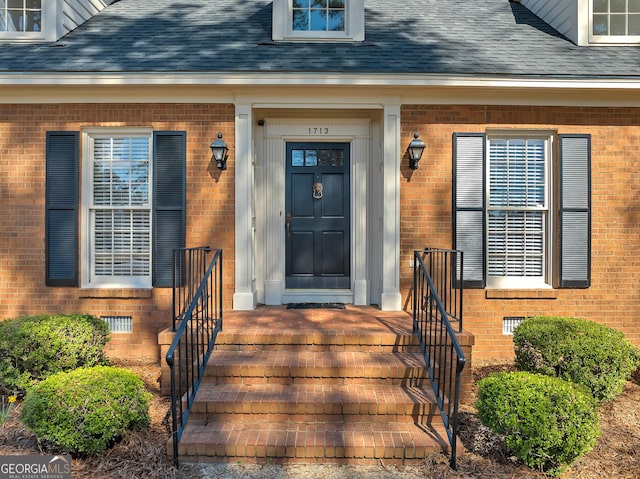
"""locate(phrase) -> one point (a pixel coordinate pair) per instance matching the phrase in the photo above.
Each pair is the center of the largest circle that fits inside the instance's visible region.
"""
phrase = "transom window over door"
(517, 213)
(20, 15)
(120, 211)
(615, 21)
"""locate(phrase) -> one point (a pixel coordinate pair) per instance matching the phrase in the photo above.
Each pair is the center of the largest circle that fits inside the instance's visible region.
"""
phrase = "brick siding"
(210, 211)
(426, 201)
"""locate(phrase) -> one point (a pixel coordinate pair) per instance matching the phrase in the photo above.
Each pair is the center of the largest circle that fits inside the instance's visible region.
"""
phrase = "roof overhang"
(409, 88)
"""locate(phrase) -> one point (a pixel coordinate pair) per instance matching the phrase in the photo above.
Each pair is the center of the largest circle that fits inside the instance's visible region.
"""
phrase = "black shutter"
(61, 204)
(575, 211)
(469, 167)
(169, 202)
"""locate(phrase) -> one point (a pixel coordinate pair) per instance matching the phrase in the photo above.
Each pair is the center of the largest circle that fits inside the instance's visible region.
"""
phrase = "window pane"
(618, 6)
(634, 6)
(336, 20)
(601, 6)
(121, 172)
(600, 24)
(301, 20)
(311, 158)
(318, 20)
(300, 3)
(337, 4)
(15, 4)
(319, 4)
(297, 158)
(634, 24)
(122, 243)
(618, 25)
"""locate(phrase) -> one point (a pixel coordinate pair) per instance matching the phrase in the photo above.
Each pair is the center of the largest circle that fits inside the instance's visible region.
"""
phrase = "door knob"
(287, 224)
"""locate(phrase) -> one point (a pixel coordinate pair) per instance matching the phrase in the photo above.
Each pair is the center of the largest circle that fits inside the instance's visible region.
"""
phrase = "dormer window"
(318, 20)
(21, 16)
(615, 21)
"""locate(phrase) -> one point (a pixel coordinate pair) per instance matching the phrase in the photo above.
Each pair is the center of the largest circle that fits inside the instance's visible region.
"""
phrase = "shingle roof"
(452, 37)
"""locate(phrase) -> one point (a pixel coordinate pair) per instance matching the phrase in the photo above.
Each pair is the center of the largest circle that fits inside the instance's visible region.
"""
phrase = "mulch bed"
(142, 454)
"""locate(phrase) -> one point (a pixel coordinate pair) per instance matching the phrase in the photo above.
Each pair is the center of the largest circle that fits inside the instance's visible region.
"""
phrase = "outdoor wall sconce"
(219, 149)
(416, 148)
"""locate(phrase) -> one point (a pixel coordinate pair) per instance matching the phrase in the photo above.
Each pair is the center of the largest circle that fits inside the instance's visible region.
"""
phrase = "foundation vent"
(509, 323)
(119, 324)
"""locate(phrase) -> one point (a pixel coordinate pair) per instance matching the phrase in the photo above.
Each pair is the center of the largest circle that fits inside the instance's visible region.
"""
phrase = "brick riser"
(311, 397)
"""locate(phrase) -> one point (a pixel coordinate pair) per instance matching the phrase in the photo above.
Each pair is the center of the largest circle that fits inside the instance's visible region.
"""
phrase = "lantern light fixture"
(416, 148)
(220, 149)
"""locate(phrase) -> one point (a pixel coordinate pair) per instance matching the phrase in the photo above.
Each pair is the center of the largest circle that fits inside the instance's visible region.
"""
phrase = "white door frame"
(381, 236)
(279, 131)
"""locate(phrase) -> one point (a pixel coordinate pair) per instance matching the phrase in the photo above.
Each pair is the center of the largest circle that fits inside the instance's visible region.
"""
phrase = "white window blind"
(518, 209)
(121, 208)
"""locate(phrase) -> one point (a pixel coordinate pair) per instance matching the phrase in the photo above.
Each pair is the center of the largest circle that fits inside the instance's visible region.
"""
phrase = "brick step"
(340, 442)
(314, 402)
(291, 367)
(313, 340)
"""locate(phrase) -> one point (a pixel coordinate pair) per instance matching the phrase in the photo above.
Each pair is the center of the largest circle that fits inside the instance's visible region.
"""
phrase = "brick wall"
(210, 211)
(426, 195)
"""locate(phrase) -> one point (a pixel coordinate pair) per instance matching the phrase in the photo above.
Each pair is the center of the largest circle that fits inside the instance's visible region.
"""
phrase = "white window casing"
(117, 208)
(283, 28)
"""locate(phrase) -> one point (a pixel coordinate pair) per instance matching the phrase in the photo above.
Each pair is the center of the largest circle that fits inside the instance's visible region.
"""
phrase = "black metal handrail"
(195, 336)
(438, 273)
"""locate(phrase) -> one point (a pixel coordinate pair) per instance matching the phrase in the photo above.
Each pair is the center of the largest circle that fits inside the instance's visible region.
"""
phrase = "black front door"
(318, 243)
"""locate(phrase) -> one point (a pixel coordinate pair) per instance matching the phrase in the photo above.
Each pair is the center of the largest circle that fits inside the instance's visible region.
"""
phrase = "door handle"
(287, 224)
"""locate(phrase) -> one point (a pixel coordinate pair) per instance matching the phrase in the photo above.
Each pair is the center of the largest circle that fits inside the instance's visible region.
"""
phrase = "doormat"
(315, 306)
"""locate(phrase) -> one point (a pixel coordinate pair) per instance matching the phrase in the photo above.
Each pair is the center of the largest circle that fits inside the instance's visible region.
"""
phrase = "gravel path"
(256, 471)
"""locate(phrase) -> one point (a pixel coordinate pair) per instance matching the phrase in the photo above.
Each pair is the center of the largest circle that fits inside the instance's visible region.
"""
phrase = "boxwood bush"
(547, 422)
(86, 410)
(34, 347)
(584, 352)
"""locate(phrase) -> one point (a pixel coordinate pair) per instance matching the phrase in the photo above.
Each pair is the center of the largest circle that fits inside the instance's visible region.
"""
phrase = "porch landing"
(314, 386)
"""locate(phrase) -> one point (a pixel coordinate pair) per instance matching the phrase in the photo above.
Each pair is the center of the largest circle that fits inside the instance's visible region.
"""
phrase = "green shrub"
(584, 352)
(547, 422)
(34, 347)
(86, 410)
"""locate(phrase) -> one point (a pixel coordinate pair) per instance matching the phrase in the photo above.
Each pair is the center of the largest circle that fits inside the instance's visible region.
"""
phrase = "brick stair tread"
(310, 399)
(335, 337)
(313, 364)
(229, 440)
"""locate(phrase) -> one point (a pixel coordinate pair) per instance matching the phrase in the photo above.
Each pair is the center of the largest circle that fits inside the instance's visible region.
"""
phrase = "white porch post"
(391, 298)
(245, 295)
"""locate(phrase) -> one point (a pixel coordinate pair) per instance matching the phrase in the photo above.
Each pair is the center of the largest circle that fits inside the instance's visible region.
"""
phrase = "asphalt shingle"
(472, 37)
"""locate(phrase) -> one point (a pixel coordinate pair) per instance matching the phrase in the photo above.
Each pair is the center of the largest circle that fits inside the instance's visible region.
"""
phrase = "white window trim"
(609, 39)
(88, 135)
(516, 282)
(50, 9)
(283, 31)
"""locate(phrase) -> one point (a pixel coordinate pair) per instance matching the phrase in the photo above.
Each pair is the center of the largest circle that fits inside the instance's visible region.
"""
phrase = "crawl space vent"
(509, 323)
(119, 324)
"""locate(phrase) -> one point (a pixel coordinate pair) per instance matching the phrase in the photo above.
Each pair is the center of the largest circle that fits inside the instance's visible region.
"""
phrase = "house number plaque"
(318, 131)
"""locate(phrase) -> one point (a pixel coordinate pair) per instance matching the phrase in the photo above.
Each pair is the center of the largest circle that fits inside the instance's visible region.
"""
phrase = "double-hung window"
(518, 212)
(117, 179)
(318, 20)
(521, 206)
(615, 21)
